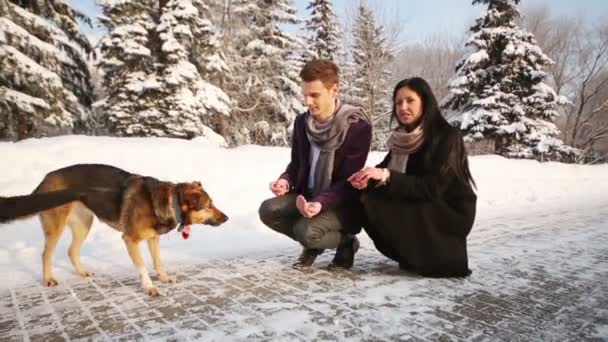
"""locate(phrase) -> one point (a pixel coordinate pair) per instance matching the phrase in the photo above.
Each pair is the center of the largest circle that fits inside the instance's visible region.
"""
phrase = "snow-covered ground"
(237, 179)
(537, 252)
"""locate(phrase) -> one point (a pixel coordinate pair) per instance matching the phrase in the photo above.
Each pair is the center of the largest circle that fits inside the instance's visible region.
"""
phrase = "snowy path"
(540, 277)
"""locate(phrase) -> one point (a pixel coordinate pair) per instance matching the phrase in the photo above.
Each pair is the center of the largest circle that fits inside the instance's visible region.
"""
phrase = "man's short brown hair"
(323, 70)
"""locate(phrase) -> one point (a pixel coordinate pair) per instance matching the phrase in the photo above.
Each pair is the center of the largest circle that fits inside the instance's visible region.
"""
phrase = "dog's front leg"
(146, 282)
(154, 246)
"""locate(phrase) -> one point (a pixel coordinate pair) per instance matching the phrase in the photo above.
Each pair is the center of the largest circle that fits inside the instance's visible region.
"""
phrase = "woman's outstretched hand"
(360, 178)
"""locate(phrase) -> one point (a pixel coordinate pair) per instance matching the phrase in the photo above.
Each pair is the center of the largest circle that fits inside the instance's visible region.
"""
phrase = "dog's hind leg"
(154, 247)
(134, 253)
(53, 223)
(80, 221)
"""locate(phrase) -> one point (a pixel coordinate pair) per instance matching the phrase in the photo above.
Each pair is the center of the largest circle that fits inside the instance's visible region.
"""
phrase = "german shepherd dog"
(142, 208)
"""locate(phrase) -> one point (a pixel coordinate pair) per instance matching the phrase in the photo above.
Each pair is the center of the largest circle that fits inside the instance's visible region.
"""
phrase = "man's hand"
(360, 178)
(279, 187)
(307, 209)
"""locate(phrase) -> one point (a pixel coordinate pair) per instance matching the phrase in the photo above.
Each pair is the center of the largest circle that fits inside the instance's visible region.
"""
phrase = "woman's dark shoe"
(404, 266)
(307, 258)
(345, 253)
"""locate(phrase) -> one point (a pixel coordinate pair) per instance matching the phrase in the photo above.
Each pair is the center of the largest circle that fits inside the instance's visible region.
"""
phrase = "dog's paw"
(50, 282)
(87, 274)
(152, 291)
(165, 278)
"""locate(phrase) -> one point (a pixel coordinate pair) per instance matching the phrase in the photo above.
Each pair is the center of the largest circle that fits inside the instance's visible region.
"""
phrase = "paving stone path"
(545, 280)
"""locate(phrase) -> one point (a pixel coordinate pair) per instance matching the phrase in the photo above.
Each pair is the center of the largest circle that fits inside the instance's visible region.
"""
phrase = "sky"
(422, 18)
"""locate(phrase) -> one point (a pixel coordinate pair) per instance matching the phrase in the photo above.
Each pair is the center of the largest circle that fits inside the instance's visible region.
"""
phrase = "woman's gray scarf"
(329, 136)
(401, 144)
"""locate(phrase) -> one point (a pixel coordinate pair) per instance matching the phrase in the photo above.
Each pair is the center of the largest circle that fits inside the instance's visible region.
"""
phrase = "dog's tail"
(20, 207)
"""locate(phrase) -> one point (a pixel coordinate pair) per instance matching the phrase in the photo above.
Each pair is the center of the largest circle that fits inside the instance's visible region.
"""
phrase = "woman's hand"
(360, 178)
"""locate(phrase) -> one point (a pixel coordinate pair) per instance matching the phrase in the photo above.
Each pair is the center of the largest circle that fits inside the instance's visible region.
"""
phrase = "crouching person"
(315, 204)
(420, 201)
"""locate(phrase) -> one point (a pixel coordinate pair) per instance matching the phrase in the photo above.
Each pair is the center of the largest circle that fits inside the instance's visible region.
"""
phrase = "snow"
(182, 72)
(23, 101)
(515, 197)
(27, 39)
(114, 3)
(185, 9)
(36, 21)
(28, 67)
(209, 137)
(130, 38)
(260, 47)
(237, 179)
(215, 63)
(478, 57)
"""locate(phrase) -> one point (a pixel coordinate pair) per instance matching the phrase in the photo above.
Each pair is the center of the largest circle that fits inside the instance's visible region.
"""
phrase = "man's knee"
(268, 210)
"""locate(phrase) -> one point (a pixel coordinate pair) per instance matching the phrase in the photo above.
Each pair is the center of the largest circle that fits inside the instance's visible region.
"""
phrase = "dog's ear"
(160, 195)
(192, 199)
(191, 195)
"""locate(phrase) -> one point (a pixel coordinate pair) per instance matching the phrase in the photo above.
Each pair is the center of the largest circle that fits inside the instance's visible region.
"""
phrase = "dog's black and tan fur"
(140, 207)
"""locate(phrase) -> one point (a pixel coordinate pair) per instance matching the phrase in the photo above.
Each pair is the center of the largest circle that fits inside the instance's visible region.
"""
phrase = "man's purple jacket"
(349, 158)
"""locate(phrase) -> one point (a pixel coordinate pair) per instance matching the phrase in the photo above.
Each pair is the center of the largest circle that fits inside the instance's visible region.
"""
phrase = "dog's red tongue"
(186, 232)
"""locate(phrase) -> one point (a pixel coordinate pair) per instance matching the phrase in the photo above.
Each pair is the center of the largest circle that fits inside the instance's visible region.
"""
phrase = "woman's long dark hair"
(436, 128)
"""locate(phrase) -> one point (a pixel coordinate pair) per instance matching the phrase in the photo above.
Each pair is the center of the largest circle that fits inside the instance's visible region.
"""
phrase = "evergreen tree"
(347, 77)
(369, 88)
(155, 56)
(45, 84)
(266, 61)
(498, 91)
(323, 30)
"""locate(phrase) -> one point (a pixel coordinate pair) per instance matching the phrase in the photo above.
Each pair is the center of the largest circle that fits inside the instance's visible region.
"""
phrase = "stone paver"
(543, 283)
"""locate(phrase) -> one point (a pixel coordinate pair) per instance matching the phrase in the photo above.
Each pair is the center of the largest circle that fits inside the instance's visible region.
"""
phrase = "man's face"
(319, 99)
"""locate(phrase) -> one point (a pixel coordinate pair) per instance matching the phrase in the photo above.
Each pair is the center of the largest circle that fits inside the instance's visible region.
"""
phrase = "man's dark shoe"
(345, 253)
(307, 258)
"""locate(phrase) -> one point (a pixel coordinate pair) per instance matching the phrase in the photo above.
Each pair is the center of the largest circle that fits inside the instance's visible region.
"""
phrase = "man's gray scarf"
(401, 144)
(329, 136)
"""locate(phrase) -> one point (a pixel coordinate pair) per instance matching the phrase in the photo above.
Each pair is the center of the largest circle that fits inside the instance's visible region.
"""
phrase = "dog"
(141, 207)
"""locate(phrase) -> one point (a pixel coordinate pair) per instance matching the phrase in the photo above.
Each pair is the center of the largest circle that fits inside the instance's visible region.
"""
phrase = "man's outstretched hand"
(307, 209)
(279, 187)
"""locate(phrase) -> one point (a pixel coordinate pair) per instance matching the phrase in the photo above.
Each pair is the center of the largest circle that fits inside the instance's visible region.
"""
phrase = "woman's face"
(408, 107)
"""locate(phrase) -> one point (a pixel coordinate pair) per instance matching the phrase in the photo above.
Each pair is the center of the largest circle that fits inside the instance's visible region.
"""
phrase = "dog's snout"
(218, 218)
(224, 218)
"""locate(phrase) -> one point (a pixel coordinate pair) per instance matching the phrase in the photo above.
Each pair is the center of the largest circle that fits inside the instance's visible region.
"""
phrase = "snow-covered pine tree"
(498, 91)
(369, 88)
(45, 84)
(192, 51)
(347, 77)
(264, 58)
(154, 56)
(322, 26)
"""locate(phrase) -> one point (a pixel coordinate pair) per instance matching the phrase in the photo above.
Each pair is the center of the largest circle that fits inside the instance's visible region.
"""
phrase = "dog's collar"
(177, 212)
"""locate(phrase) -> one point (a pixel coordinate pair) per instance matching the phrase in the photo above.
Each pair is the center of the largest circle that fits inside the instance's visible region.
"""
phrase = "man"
(314, 203)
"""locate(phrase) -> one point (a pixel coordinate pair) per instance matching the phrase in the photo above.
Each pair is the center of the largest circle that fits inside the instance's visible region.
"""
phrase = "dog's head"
(197, 206)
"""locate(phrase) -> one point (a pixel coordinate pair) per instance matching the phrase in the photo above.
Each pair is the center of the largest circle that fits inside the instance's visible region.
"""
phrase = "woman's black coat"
(421, 219)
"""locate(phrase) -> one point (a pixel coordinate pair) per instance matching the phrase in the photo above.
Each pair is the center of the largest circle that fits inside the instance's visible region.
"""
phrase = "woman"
(419, 201)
